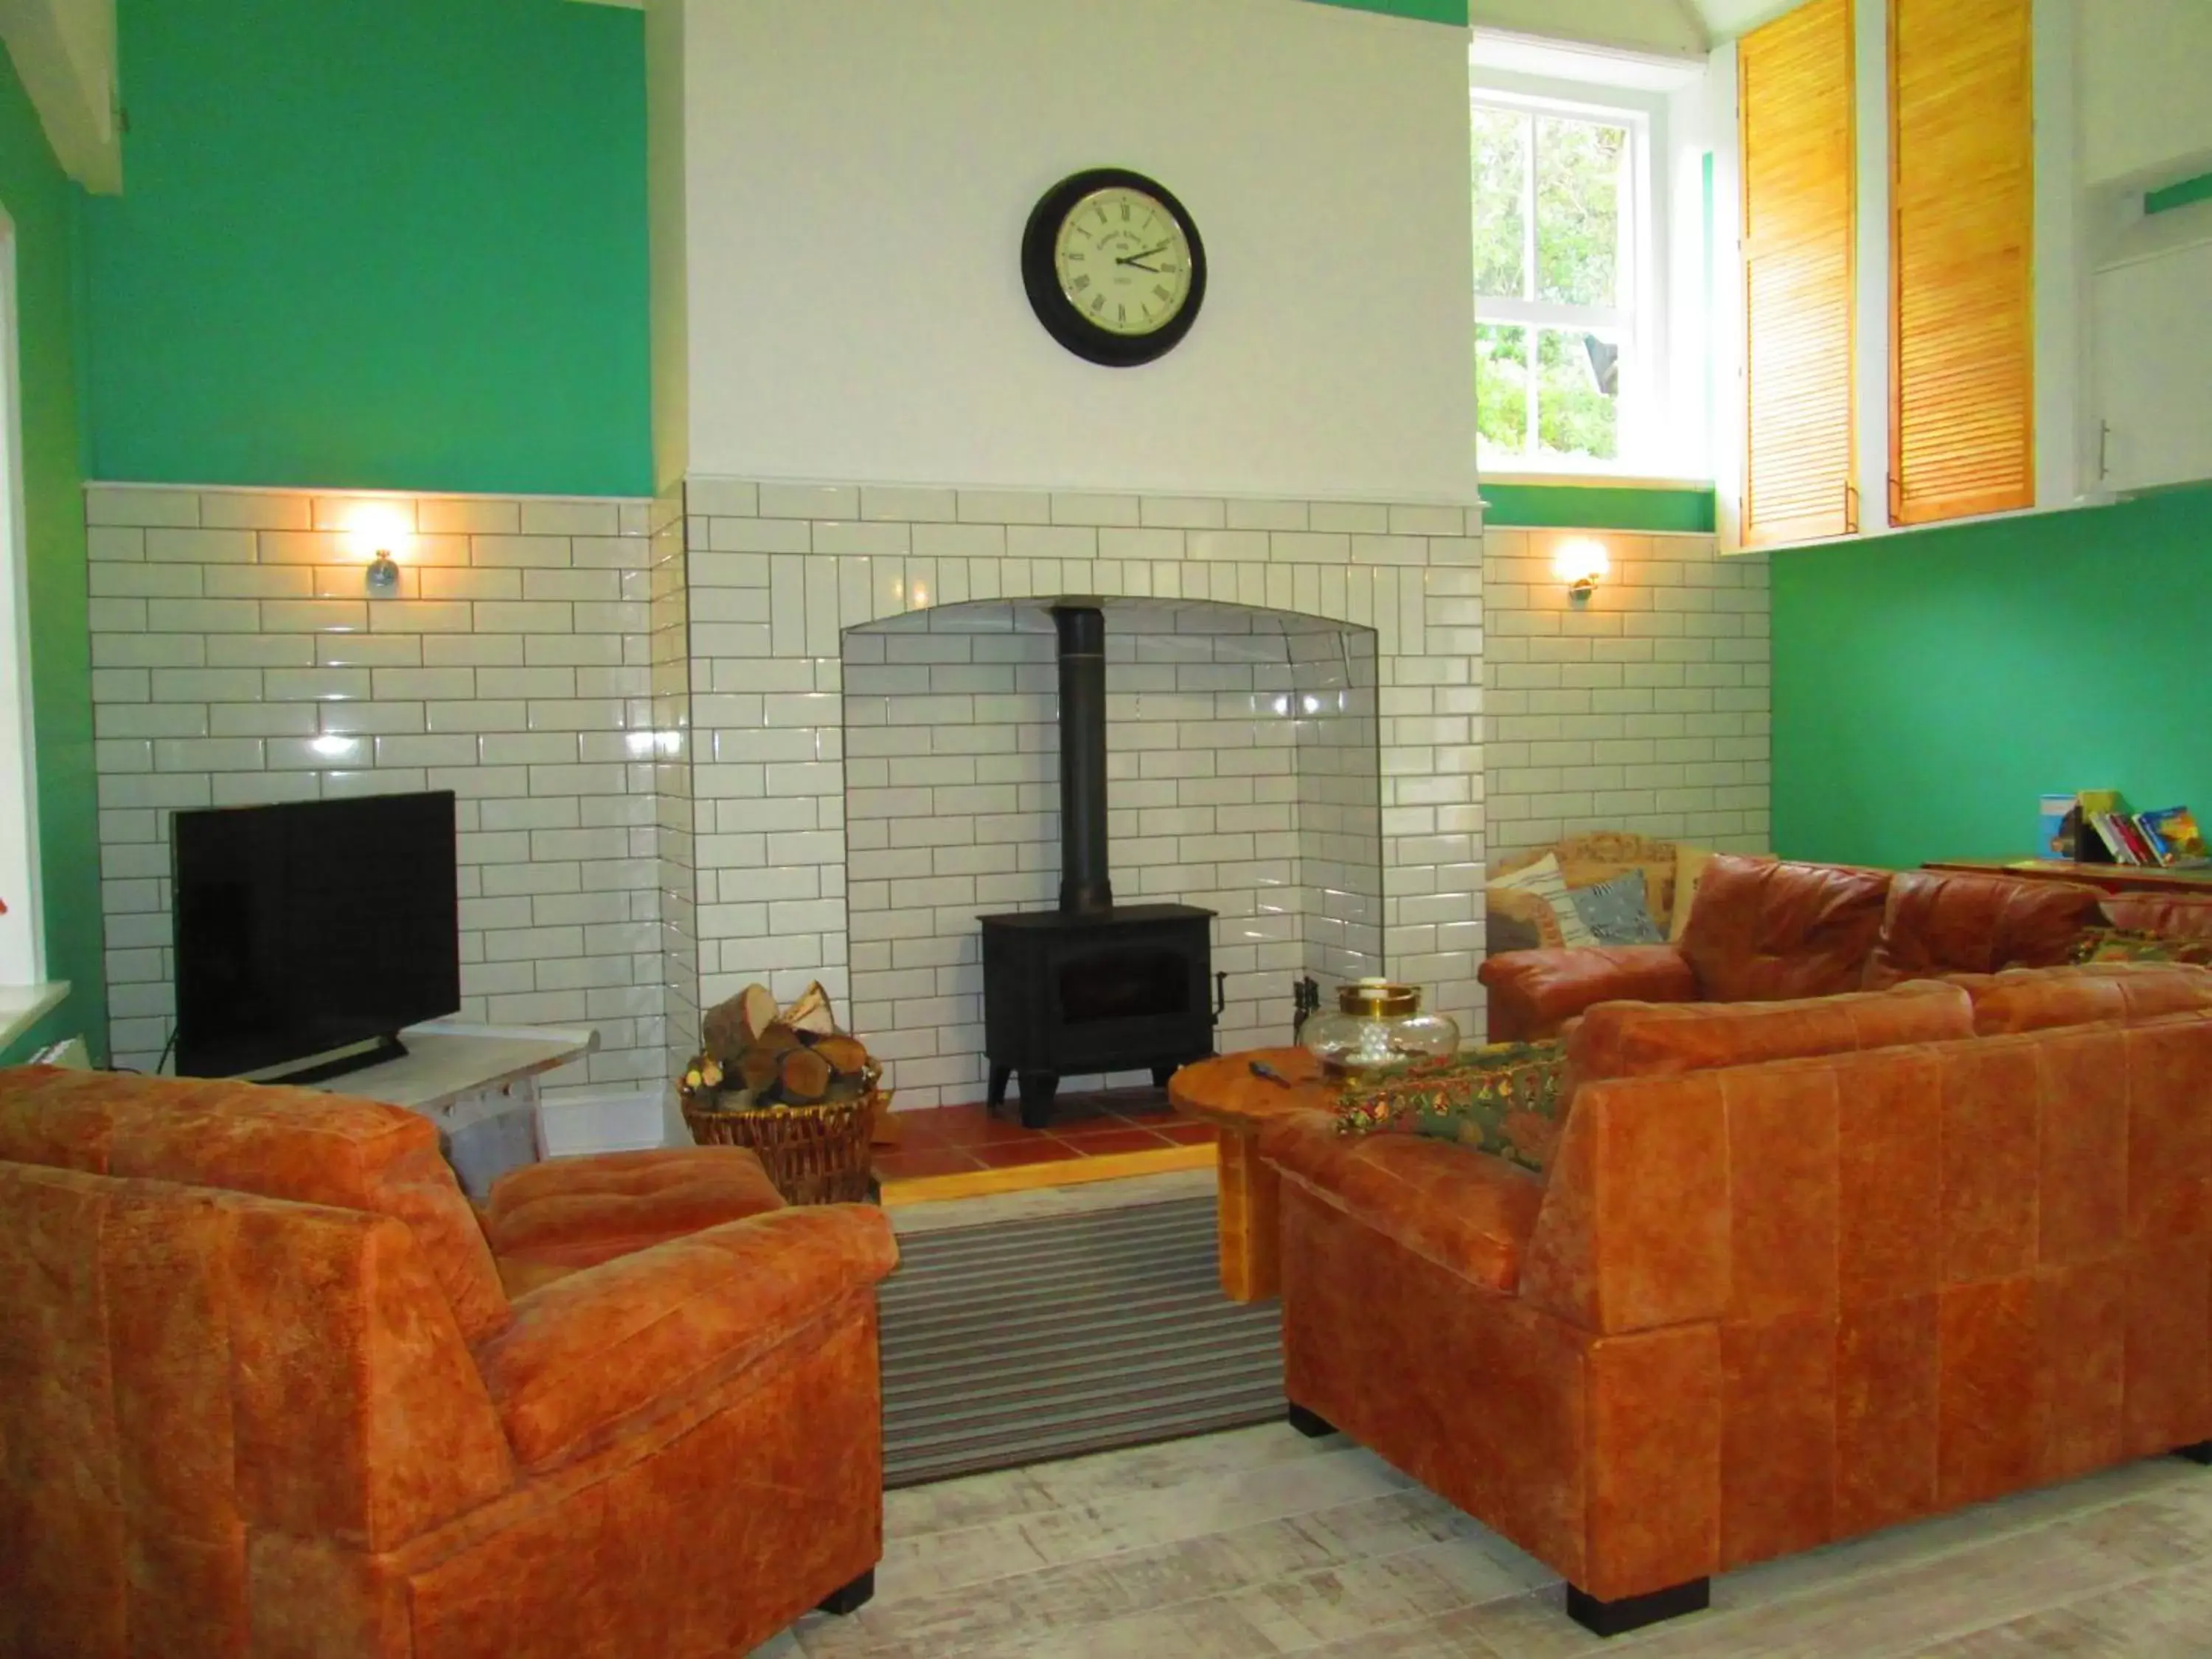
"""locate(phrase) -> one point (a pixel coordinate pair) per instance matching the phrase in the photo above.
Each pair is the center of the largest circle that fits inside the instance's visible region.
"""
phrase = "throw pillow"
(1504, 1100)
(1543, 879)
(1617, 912)
(2125, 944)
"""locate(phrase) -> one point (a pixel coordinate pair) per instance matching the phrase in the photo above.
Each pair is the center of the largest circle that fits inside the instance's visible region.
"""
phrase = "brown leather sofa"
(1961, 1245)
(264, 1392)
(1760, 931)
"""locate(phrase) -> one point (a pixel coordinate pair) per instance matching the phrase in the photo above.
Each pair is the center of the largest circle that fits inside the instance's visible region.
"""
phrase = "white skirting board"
(610, 1121)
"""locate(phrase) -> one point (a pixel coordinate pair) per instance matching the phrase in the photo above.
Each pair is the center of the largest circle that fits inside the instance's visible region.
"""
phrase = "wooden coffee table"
(1226, 1093)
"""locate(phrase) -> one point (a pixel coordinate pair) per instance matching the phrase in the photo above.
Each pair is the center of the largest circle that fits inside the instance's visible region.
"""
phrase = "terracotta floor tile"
(929, 1161)
(1006, 1154)
(1099, 1143)
(1187, 1135)
(957, 1126)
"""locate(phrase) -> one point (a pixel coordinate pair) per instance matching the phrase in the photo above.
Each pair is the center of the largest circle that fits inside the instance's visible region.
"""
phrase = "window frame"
(1640, 316)
(22, 940)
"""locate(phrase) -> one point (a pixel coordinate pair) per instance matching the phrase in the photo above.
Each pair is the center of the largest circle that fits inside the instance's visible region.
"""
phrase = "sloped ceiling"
(64, 53)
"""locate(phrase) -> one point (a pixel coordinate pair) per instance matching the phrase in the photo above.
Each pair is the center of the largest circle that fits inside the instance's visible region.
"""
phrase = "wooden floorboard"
(1260, 1543)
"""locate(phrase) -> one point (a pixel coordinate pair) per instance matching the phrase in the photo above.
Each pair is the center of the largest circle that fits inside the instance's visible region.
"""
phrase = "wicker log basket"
(790, 1087)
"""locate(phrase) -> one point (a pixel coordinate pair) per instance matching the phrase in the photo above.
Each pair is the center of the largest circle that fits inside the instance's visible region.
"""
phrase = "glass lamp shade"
(1378, 1029)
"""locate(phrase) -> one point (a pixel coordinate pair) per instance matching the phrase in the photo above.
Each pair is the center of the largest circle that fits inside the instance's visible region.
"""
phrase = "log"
(804, 1076)
(845, 1055)
(758, 1010)
(722, 1030)
(812, 1012)
(759, 1068)
(778, 1038)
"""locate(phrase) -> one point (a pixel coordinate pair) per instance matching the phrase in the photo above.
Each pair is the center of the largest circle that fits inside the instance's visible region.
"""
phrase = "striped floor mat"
(1019, 1342)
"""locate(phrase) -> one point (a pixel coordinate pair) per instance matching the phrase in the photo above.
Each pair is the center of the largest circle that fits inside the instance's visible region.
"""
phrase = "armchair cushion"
(569, 1213)
(601, 1348)
(1941, 922)
(1534, 993)
(1767, 933)
(1467, 1213)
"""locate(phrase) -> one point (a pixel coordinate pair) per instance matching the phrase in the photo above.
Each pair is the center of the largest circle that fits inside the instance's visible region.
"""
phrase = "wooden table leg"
(1250, 1240)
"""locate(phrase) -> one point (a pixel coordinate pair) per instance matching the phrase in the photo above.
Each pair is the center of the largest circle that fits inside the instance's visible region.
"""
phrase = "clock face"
(1123, 260)
(1113, 267)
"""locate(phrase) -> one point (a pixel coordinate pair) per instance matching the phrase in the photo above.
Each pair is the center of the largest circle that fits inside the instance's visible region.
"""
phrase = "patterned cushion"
(1543, 880)
(1504, 1100)
(1617, 913)
(2122, 945)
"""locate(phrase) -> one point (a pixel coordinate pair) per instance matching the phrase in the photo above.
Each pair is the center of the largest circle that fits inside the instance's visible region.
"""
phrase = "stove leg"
(1037, 1090)
(1162, 1074)
(995, 1096)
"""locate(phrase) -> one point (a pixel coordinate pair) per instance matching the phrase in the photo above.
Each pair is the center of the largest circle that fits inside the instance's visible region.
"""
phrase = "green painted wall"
(1429, 11)
(396, 243)
(1597, 506)
(44, 207)
(1929, 687)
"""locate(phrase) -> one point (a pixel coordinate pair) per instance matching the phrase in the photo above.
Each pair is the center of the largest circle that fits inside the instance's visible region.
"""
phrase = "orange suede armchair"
(1760, 931)
(1960, 1244)
(262, 1390)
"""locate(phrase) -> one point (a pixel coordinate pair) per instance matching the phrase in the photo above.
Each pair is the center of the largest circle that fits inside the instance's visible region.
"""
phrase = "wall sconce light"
(1581, 564)
(383, 581)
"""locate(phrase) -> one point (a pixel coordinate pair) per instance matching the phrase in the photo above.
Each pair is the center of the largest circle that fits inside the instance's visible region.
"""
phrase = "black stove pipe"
(1085, 889)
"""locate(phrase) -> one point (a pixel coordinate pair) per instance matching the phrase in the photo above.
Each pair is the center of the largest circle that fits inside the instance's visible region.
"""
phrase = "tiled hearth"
(954, 1140)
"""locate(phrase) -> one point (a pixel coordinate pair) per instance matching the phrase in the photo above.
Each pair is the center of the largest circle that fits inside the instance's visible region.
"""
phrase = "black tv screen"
(312, 933)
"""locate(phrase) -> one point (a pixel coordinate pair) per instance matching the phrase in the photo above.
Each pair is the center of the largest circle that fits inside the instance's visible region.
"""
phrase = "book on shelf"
(2174, 837)
(2094, 826)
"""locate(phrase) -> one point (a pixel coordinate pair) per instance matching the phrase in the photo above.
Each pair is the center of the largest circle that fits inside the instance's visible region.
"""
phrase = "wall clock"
(1114, 267)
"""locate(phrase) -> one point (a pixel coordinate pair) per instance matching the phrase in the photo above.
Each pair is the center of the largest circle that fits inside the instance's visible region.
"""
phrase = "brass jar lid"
(1378, 998)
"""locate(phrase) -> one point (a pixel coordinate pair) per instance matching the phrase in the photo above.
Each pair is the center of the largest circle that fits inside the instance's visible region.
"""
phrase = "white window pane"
(1578, 395)
(1579, 170)
(1501, 391)
(1501, 234)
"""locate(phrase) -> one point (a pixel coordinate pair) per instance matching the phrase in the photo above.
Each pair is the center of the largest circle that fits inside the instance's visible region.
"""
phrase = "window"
(21, 959)
(1562, 342)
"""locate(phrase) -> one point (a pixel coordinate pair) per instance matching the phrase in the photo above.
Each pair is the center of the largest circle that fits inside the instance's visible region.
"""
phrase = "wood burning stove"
(1093, 985)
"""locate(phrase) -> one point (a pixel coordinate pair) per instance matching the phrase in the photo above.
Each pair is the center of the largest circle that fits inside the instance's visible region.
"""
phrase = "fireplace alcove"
(1242, 780)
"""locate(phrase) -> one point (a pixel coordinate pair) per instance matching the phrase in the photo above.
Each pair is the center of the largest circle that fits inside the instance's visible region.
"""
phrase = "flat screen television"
(309, 935)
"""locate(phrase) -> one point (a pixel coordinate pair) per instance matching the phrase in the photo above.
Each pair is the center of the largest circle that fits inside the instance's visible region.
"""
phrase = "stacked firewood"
(756, 1053)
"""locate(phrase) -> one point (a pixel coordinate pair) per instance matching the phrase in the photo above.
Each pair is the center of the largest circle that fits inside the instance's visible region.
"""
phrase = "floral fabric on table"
(2119, 945)
(1502, 1100)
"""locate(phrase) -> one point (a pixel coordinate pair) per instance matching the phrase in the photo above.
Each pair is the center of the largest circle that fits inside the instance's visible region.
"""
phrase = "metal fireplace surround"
(1092, 985)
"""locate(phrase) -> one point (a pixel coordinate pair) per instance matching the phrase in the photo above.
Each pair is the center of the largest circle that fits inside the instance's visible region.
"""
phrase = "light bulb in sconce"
(1581, 564)
(383, 575)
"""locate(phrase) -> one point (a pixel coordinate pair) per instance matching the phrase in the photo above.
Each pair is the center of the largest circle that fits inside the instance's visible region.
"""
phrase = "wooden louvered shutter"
(1962, 184)
(1799, 195)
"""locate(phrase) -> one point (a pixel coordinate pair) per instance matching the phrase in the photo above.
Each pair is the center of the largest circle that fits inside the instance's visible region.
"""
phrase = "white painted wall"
(21, 960)
(2143, 109)
(859, 173)
(64, 52)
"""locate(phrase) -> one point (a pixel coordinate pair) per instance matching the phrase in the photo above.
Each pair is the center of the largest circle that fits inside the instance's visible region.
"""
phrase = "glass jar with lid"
(1378, 1029)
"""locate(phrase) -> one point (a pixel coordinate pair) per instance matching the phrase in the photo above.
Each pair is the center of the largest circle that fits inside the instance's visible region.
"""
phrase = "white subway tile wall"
(1241, 756)
(1650, 710)
(789, 888)
(237, 660)
(643, 707)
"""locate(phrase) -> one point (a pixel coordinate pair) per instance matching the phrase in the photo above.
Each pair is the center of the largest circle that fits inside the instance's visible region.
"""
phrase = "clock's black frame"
(1062, 318)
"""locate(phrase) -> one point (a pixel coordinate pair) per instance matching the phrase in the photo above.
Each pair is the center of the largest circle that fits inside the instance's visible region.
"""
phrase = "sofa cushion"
(1636, 1039)
(1502, 1100)
(1944, 922)
(1766, 932)
(2032, 999)
(2173, 915)
(295, 1144)
(1469, 1214)
(1544, 880)
(576, 1212)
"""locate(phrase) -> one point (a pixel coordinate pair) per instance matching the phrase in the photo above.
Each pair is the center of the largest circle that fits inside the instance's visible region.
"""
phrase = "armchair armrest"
(1534, 993)
(589, 1352)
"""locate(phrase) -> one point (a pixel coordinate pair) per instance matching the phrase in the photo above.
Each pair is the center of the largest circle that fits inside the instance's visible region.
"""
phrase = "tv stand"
(478, 1083)
(379, 1052)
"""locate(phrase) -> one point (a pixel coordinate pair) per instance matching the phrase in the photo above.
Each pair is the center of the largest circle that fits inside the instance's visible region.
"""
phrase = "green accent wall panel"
(2184, 194)
(43, 205)
(1929, 687)
(1428, 11)
(1596, 507)
(375, 243)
